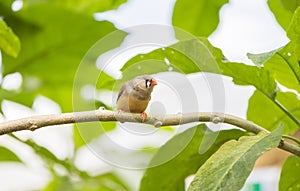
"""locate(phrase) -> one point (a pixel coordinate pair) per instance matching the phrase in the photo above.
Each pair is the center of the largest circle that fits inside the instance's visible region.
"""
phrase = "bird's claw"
(144, 116)
(120, 111)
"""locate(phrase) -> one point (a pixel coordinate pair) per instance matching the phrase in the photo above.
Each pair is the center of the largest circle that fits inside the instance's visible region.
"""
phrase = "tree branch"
(35, 122)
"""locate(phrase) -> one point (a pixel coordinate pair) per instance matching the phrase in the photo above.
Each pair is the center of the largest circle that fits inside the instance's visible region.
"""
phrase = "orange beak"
(153, 83)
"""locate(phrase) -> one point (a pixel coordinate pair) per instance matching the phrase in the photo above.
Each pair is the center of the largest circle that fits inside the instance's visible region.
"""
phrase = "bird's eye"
(148, 83)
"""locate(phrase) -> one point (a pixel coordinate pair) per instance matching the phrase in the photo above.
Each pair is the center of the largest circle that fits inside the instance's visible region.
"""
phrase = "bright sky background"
(245, 26)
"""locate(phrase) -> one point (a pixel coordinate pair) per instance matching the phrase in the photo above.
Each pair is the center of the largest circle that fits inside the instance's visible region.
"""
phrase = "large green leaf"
(251, 75)
(293, 32)
(7, 155)
(229, 167)
(186, 162)
(200, 18)
(282, 64)
(9, 42)
(198, 55)
(187, 56)
(266, 113)
(283, 10)
(289, 178)
(54, 43)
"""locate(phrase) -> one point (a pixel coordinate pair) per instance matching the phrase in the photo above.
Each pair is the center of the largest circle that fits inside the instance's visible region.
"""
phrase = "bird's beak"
(153, 83)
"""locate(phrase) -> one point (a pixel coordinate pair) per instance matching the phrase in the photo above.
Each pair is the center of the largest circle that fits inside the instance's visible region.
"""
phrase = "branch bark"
(36, 122)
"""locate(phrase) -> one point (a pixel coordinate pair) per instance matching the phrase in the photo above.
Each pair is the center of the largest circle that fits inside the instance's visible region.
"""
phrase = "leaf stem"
(286, 111)
(290, 66)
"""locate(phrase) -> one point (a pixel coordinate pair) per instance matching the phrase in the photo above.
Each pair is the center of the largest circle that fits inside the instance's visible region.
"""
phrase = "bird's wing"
(122, 90)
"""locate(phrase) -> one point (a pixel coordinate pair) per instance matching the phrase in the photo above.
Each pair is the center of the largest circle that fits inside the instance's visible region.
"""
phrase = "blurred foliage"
(5, 7)
(46, 41)
(104, 182)
(55, 36)
(52, 50)
(8, 155)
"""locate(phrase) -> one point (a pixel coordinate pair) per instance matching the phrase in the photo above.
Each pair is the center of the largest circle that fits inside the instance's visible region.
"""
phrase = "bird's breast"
(132, 104)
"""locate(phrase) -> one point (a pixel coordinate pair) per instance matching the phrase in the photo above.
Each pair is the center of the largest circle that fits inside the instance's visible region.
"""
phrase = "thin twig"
(35, 122)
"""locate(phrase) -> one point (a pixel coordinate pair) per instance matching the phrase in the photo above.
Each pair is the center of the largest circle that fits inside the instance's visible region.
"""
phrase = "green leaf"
(266, 113)
(200, 18)
(9, 42)
(290, 4)
(287, 72)
(293, 32)
(282, 64)
(251, 75)
(289, 100)
(289, 177)
(222, 171)
(82, 6)
(7, 155)
(184, 162)
(282, 14)
(260, 59)
(53, 50)
(195, 55)
(187, 56)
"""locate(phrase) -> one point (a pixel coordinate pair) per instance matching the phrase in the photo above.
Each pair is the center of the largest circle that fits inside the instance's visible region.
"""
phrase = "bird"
(135, 95)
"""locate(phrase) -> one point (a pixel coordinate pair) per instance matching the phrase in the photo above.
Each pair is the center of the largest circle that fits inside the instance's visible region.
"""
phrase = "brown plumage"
(135, 94)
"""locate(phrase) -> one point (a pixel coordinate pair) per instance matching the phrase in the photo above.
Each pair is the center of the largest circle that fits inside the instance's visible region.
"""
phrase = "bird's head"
(145, 82)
